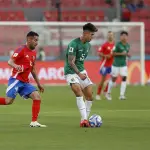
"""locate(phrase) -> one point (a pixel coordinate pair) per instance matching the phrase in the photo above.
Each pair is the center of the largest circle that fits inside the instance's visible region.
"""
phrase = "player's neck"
(82, 39)
(111, 42)
(124, 43)
(28, 47)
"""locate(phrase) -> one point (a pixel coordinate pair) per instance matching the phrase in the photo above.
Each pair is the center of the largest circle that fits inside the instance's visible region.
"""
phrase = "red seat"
(147, 2)
(76, 16)
(51, 16)
(31, 3)
(5, 3)
(12, 16)
(70, 3)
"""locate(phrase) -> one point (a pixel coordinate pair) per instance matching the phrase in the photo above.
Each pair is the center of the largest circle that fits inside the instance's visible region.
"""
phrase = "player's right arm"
(71, 60)
(14, 57)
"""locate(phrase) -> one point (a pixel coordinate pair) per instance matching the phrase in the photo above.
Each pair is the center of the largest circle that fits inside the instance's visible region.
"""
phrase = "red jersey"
(25, 58)
(107, 49)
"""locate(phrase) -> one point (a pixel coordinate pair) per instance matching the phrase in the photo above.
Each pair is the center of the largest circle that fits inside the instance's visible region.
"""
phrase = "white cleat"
(108, 96)
(36, 124)
(97, 97)
(122, 97)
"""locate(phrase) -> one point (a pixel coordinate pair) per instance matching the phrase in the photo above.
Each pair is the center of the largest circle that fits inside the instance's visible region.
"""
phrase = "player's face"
(89, 36)
(33, 42)
(124, 38)
(110, 36)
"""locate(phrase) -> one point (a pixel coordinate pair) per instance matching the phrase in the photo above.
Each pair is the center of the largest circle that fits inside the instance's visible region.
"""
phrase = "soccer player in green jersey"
(121, 52)
(75, 73)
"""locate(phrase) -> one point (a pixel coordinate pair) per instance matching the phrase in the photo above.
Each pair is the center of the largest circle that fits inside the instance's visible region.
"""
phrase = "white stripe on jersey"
(12, 85)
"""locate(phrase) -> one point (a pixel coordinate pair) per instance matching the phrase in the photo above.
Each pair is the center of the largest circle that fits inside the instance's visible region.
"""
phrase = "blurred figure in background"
(41, 54)
(105, 52)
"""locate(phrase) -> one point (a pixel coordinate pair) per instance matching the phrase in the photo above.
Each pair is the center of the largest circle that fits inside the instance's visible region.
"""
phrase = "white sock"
(81, 107)
(110, 85)
(88, 105)
(123, 88)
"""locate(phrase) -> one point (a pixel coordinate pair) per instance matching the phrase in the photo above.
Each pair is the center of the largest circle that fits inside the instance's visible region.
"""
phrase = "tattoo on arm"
(71, 60)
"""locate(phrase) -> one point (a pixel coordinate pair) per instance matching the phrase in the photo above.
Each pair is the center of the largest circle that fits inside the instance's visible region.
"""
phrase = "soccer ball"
(95, 121)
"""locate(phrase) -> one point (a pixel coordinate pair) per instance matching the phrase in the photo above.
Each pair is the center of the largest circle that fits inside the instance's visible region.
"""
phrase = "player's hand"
(124, 53)
(107, 56)
(82, 76)
(19, 68)
(41, 88)
(129, 55)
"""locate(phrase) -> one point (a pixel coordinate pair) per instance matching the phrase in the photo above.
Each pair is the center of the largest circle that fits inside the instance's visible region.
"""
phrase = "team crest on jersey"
(108, 47)
(72, 79)
(27, 56)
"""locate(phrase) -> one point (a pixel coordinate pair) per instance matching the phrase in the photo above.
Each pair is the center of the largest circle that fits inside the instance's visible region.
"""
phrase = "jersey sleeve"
(116, 48)
(128, 49)
(72, 48)
(17, 54)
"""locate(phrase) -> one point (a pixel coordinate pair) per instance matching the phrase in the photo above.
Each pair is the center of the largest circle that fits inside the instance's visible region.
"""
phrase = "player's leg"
(114, 74)
(76, 88)
(100, 86)
(103, 71)
(6, 100)
(11, 92)
(123, 73)
(73, 81)
(29, 91)
(89, 98)
(106, 87)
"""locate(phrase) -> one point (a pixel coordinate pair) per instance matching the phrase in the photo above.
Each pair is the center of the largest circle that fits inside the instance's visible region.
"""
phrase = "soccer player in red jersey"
(23, 63)
(105, 52)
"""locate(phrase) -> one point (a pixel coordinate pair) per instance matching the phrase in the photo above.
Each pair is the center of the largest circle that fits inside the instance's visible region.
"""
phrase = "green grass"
(126, 124)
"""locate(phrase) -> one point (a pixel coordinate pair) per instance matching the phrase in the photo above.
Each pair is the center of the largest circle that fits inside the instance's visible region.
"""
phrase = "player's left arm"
(34, 74)
(128, 52)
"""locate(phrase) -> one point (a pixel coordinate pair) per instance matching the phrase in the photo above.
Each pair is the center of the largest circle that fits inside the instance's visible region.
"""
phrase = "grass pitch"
(126, 124)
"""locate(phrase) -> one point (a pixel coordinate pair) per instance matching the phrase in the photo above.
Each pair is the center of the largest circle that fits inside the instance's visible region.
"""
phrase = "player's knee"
(114, 79)
(89, 98)
(35, 95)
(9, 101)
(124, 78)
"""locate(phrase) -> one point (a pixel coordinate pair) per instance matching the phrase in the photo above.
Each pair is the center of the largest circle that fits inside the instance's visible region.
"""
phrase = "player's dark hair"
(32, 33)
(110, 32)
(124, 32)
(90, 27)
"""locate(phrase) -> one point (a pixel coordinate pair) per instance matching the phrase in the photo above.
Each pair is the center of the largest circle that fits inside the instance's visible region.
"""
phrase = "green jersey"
(120, 61)
(80, 51)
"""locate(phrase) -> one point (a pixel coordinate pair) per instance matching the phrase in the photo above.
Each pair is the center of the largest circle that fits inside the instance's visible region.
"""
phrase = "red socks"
(35, 109)
(106, 88)
(2, 101)
(99, 90)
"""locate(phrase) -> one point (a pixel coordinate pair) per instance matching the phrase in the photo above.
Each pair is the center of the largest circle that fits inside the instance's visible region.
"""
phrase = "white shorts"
(122, 71)
(74, 78)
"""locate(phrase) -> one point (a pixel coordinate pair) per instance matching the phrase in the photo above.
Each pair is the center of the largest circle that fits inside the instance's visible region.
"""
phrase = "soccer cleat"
(84, 123)
(36, 124)
(108, 96)
(122, 97)
(97, 97)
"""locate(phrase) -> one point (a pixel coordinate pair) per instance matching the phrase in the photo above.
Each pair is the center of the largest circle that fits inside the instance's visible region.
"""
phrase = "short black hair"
(90, 27)
(124, 32)
(110, 32)
(32, 33)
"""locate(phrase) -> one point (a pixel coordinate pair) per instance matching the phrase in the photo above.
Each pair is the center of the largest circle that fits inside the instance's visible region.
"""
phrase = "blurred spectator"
(41, 54)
